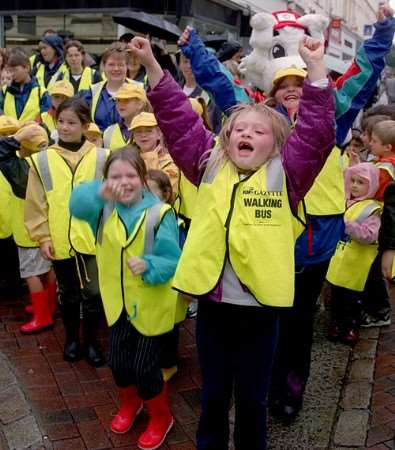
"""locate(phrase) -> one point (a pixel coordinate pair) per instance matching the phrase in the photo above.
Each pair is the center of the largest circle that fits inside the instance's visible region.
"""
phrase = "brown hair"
(385, 131)
(163, 181)
(78, 46)
(116, 49)
(17, 57)
(368, 123)
(4, 55)
(129, 154)
(78, 106)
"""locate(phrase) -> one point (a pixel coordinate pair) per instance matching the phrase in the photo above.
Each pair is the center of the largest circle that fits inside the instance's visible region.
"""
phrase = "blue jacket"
(86, 204)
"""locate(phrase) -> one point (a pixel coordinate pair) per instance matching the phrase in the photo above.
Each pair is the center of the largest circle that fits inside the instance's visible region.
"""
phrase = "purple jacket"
(303, 154)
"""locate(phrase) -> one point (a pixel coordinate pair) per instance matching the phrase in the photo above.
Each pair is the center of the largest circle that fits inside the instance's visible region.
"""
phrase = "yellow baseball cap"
(196, 106)
(38, 142)
(8, 125)
(93, 128)
(132, 90)
(62, 87)
(143, 119)
(292, 71)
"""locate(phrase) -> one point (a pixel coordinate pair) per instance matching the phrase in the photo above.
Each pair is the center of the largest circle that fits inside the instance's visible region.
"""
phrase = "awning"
(148, 24)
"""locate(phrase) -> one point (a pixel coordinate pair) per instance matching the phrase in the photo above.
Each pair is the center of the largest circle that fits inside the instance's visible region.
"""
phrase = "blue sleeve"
(356, 86)
(86, 95)
(212, 76)
(162, 265)
(45, 102)
(86, 203)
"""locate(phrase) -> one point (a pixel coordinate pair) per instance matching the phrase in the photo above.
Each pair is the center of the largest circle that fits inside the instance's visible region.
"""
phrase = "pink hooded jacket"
(367, 231)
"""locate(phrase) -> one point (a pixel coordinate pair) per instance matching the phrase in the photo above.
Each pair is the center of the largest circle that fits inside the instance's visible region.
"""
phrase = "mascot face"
(275, 40)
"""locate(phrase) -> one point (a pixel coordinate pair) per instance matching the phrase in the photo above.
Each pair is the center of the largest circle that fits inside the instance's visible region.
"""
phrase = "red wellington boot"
(42, 317)
(160, 422)
(52, 289)
(29, 308)
(129, 408)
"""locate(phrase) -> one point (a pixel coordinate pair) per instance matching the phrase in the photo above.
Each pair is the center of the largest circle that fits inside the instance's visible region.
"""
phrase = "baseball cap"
(38, 142)
(62, 87)
(143, 119)
(8, 125)
(132, 90)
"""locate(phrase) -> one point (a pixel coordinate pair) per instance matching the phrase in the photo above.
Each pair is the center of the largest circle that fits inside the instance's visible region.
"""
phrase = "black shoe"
(71, 351)
(93, 355)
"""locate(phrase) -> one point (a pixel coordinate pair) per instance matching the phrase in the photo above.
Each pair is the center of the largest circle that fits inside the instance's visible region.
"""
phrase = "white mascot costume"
(275, 40)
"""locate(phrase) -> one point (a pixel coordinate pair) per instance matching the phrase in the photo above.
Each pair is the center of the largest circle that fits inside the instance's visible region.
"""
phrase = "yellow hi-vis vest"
(49, 121)
(5, 208)
(19, 231)
(68, 234)
(326, 195)
(113, 137)
(248, 221)
(387, 166)
(151, 309)
(40, 75)
(349, 266)
(31, 108)
(187, 196)
(85, 81)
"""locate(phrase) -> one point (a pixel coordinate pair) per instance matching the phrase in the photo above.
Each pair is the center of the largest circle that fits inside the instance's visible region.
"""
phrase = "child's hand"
(111, 190)
(185, 36)
(47, 250)
(386, 263)
(384, 12)
(354, 157)
(137, 265)
(142, 50)
(311, 50)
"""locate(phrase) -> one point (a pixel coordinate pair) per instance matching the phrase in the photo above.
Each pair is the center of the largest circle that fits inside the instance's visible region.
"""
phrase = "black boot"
(91, 350)
(71, 321)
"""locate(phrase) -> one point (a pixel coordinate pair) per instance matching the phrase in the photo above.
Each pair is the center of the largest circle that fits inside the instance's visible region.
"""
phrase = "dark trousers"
(169, 347)
(236, 346)
(293, 357)
(346, 306)
(135, 359)
(376, 300)
(9, 265)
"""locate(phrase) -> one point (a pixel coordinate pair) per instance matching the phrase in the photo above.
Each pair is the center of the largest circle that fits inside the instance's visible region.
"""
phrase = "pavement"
(47, 403)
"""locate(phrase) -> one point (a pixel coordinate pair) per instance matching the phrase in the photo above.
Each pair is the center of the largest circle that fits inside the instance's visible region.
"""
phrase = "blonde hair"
(385, 131)
(279, 124)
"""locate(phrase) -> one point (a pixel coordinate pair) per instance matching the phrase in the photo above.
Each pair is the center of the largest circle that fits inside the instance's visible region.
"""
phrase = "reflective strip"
(96, 91)
(388, 167)
(274, 175)
(45, 173)
(108, 134)
(151, 222)
(107, 211)
(366, 212)
(101, 157)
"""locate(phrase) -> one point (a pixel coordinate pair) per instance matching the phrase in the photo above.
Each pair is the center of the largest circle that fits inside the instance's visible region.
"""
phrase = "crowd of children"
(121, 199)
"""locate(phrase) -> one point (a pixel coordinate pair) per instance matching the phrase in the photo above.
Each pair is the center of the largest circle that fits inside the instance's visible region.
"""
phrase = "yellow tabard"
(31, 109)
(5, 208)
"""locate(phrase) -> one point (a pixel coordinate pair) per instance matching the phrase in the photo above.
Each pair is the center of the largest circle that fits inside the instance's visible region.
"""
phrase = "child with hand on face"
(355, 253)
(137, 253)
(257, 162)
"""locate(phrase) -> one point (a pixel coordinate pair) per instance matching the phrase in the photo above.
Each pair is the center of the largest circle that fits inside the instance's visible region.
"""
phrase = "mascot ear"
(262, 20)
(316, 24)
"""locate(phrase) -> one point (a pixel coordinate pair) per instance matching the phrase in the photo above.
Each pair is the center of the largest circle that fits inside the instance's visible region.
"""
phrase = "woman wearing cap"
(24, 99)
(51, 63)
(59, 92)
(131, 100)
(100, 96)
(80, 76)
(148, 138)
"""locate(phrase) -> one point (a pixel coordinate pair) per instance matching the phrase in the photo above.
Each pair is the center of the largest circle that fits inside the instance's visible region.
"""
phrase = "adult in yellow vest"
(59, 92)
(64, 240)
(355, 252)
(34, 269)
(24, 99)
(239, 254)
(100, 96)
(130, 100)
(79, 75)
(137, 253)
(51, 63)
